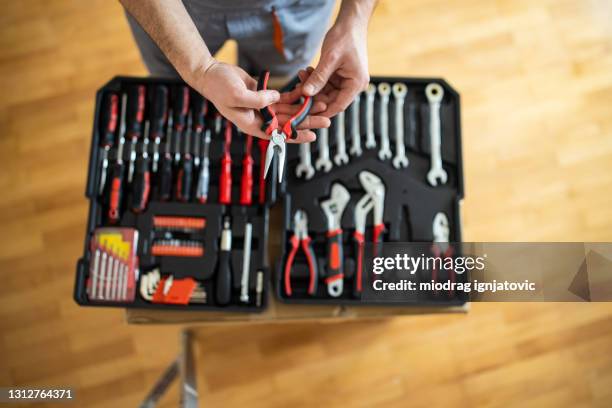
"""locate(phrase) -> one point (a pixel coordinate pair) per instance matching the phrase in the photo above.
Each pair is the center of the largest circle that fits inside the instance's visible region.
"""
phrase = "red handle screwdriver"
(225, 181)
(114, 207)
(142, 180)
(246, 184)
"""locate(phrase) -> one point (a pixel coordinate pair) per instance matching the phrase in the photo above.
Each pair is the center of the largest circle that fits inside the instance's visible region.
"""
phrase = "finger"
(310, 122)
(247, 121)
(291, 96)
(342, 100)
(255, 99)
(320, 75)
(304, 136)
(249, 81)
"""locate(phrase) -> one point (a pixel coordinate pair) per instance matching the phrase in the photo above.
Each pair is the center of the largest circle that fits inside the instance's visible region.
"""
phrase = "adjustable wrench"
(304, 167)
(399, 93)
(355, 131)
(341, 157)
(374, 199)
(323, 162)
(333, 208)
(434, 93)
(370, 142)
(384, 90)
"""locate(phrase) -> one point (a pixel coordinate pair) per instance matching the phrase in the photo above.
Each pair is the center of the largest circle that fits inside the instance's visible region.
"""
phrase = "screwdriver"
(109, 126)
(199, 109)
(246, 183)
(204, 178)
(224, 272)
(263, 147)
(114, 208)
(183, 179)
(218, 123)
(165, 172)
(159, 115)
(142, 183)
(180, 108)
(135, 116)
(225, 180)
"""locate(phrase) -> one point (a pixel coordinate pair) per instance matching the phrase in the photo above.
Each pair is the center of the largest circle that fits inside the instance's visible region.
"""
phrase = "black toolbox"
(411, 204)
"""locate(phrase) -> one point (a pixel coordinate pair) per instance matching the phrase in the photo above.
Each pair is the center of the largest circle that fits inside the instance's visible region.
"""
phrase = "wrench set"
(186, 192)
(168, 170)
(388, 170)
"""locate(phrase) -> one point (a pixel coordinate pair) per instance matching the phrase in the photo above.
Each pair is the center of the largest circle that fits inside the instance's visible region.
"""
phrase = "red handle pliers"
(301, 238)
(270, 126)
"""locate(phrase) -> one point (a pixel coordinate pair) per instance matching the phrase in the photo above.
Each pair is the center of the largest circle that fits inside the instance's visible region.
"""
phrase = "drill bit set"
(388, 170)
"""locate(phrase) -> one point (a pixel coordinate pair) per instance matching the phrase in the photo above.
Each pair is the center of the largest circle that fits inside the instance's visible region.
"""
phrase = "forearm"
(356, 12)
(170, 26)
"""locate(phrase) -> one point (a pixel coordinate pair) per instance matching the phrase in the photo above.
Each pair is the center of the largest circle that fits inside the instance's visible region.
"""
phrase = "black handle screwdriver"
(183, 180)
(108, 120)
(180, 107)
(159, 115)
(115, 196)
(135, 116)
(224, 271)
(199, 108)
(165, 172)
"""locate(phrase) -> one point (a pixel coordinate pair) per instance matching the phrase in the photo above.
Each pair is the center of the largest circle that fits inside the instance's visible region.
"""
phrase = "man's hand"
(234, 93)
(342, 71)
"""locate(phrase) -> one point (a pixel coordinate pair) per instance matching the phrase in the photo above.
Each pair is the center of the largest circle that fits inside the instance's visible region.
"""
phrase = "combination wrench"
(370, 142)
(304, 167)
(434, 93)
(341, 157)
(323, 162)
(355, 131)
(384, 90)
(399, 94)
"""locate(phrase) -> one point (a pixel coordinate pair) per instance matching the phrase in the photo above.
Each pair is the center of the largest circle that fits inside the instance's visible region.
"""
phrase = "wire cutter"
(301, 238)
(270, 127)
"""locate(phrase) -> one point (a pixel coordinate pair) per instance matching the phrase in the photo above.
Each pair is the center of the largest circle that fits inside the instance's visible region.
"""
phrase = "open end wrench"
(370, 142)
(323, 162)
(341, 157)
(355, 149)
(434, 93)
(304, 167)
(399, 94)
(384, 90)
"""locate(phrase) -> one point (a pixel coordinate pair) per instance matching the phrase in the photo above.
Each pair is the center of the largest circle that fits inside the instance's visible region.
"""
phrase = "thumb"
(319, 77)
(257, 99)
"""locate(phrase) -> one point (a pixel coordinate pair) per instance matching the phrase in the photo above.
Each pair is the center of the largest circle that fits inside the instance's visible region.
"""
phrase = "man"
(181, 37)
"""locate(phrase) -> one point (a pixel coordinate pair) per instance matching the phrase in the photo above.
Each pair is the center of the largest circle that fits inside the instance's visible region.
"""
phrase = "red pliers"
(301, 238)
(270, 126)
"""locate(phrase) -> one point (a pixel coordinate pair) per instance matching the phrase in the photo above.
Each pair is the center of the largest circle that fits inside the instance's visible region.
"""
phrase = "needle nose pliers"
(301, 238)
(270, 127)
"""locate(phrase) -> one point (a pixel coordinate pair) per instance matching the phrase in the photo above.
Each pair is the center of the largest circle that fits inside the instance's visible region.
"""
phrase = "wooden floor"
(536, 84)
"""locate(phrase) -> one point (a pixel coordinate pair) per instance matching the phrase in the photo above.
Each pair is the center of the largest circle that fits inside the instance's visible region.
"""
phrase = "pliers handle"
(300, 238)
(269, 117)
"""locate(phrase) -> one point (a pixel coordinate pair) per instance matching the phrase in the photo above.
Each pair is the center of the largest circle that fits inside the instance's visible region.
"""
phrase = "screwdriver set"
(389, 169)
(178, 181)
